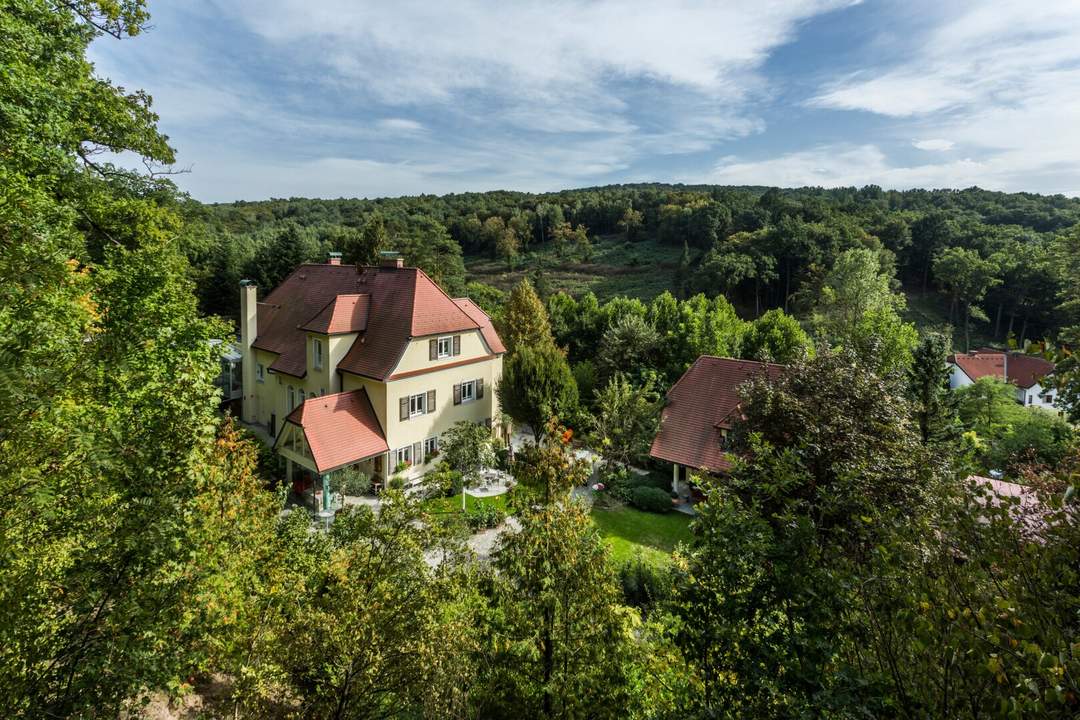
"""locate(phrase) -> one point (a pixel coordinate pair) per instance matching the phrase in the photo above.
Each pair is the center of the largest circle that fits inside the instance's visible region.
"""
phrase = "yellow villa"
(364, 366)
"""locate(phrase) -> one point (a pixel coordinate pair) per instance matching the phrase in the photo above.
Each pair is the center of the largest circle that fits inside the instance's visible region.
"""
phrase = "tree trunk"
(757, 297)
(1012, 319)
(997, 321)
(967, 327)
(787, 286)
(549, 658)
(1023, 330)
(925, 275)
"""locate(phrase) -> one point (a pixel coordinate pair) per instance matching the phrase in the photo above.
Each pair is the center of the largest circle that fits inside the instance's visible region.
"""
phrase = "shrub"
(397, 483)
(650, 499)
(643, 584)
(443, 481)
(502, 459)
(484, 517)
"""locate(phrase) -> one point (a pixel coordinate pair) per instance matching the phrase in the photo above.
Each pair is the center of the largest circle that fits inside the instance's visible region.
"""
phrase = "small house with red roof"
(1026, 372)
(699, 414)
(364, 366)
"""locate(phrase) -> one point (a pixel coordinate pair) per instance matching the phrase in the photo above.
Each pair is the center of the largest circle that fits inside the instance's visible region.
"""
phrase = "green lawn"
(630, 532)
(453, 504)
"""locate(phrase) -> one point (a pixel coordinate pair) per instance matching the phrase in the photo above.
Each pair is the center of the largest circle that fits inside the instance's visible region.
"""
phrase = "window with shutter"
(457, 344)
(431, 401)
(416, 449)
(468, 391)
(480, 388)
(457, 394)
(404, 407)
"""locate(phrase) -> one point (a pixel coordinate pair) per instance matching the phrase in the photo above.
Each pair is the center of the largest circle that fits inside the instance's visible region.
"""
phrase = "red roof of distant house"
(1017, 368)
(1029, 510)
(481, 318)
(700, 405)
(343, 314)
(386, 305)
(340, 429)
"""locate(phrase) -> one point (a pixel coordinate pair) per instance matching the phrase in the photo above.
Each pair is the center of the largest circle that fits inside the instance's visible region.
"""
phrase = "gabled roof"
(405, 304)
(700, 405)
(299, 298)
(387, 306)
(340, 429)
(343, 314)
(481, 318)
(1018, 368)
(1028, 370)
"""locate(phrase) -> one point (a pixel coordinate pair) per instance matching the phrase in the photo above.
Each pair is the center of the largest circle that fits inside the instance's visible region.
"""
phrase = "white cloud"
(404, 126)
(933, 144)
(547, 67)
(1000, 79)
(846, 165)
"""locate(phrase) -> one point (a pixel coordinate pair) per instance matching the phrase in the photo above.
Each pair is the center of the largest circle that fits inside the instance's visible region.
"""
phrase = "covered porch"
(331, 444)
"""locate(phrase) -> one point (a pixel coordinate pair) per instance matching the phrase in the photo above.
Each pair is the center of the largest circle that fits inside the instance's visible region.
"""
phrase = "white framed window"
(292, 397)
(301, 396)
(403, 455)
(316, 352)
(446, 347)
(431, 446)
(468, 391)
(417, 404)
(260, 372)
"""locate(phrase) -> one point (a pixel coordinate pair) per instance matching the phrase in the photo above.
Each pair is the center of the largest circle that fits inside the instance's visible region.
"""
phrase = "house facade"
(699, 414)
(1026, 372)
(359, 366)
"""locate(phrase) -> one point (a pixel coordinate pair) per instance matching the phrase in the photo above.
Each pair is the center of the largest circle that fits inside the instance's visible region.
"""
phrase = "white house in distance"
(1026, 372)
(365, 367)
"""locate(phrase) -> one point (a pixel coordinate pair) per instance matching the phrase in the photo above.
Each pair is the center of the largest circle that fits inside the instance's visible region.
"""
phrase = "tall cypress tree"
(934, 404)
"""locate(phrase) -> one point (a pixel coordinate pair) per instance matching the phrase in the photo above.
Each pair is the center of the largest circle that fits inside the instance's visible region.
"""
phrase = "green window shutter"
(431, 401)
(457, 344)
(480, 388)
(433, 349)
(403, 404)
(457, 394)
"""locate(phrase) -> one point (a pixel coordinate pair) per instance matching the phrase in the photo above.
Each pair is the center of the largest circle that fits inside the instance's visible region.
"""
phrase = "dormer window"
(446, 347)
(316, 353)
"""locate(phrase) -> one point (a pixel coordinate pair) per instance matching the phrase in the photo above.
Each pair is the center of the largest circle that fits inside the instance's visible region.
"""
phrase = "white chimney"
(335, 258)
(248, 332)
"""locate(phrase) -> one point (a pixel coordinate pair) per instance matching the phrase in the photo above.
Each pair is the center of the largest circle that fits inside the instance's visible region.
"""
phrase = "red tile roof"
(1027, 370)
(340, 429)
(386, 305)
(481, 318)
(405, 304)
(704, 401)
(1022, 370)
(343, 314)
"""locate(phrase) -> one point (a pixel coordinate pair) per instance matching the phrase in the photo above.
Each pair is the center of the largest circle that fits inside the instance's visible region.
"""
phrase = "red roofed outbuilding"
(701, 409)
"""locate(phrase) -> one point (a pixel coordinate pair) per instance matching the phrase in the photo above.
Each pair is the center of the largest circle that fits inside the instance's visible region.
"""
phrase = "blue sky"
(341, 98)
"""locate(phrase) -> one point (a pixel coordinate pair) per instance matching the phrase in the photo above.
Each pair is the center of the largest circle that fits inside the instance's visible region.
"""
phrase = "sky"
(341, 98)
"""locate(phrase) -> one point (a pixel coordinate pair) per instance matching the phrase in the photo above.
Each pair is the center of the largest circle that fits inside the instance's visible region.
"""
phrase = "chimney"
(248, 332)
(391, 259)
(335, 258)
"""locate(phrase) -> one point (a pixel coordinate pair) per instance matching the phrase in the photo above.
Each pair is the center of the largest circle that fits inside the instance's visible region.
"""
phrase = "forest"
(845, 568)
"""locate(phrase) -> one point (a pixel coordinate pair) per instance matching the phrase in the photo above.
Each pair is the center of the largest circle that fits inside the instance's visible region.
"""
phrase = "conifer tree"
(526, 321)
(934, 404)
